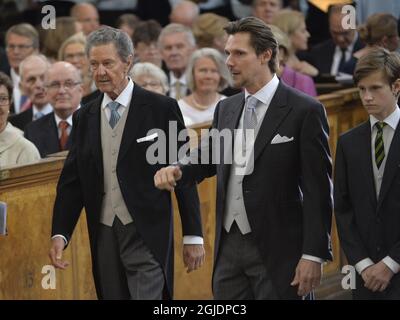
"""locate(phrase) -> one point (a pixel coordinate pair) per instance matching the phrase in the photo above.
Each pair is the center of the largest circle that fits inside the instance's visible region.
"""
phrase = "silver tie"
(113, 106)
(250, 116)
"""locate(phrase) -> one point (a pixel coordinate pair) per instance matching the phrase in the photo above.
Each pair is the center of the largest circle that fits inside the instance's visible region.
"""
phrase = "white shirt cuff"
(312, 258)
(363, 264)
(192, 240)
(391, 264)
(61, 236)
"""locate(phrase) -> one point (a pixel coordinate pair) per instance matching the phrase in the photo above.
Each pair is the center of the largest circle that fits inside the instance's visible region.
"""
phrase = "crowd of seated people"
(180, 54)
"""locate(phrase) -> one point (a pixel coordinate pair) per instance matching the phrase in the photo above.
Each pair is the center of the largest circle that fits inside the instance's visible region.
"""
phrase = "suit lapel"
(277, 111)
(391, 166)
(94, 134)
(135, 117)
(366, 164)
(53, 140)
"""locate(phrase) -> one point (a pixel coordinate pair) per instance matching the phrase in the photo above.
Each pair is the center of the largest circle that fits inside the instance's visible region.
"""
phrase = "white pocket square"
(278, 139)
(147, 138)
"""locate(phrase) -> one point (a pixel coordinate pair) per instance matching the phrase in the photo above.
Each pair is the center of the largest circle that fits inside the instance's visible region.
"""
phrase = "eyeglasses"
(67, 85)
(21, 47)
(4, 100)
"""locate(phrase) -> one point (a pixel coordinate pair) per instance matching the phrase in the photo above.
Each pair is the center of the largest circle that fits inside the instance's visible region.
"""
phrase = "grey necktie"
(114, 117)
(250, 116)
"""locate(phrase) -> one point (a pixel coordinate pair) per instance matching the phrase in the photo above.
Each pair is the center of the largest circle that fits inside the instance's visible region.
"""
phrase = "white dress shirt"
(16, 90)
(45, 110)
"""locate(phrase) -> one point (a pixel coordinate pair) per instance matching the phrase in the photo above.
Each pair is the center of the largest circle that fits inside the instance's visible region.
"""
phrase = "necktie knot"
(113, 106)
(63, 125)
(251, 102)
(38, 115)
(380, 125)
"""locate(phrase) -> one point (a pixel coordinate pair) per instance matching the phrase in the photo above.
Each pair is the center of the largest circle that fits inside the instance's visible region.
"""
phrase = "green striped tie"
(379, 147)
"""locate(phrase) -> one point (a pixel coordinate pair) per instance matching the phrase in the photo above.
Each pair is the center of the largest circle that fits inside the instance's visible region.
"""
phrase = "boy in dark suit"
(367, 181)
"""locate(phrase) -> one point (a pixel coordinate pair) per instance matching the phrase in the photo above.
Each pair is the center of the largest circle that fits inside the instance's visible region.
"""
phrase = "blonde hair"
(76, 38)
(376, 27)
(288, 20)
(282, 39)
(207, 27)
(149, 69)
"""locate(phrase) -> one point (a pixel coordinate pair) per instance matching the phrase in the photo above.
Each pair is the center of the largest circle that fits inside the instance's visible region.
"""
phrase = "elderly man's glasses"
(67, 85)
(20, 47)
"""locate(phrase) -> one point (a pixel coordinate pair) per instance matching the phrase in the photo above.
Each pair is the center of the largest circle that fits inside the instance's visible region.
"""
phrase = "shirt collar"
(45, 110)
(350, 47)
(14, 76)
(58, 120)
(173, 79)
(392, 120)
(265, 93)
(125, 97)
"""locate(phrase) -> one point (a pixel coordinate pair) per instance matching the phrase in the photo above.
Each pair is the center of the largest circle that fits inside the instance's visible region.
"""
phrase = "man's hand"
(55, 253)
(166, 178)
(377, 277)
(307, 277)
(193, 256)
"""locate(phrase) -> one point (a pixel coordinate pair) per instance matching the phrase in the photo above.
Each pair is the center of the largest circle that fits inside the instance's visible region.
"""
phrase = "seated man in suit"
(330, 56)
(176, 43)
(50, 133)
(367, 180)
(32, 71)
(22, 40)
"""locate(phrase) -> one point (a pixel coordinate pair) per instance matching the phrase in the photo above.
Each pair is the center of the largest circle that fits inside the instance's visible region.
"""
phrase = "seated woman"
(150, 77)
(73, 51)
(380, 30)
(206, 75)
(14, 148)
(291, 77)
(293, 24)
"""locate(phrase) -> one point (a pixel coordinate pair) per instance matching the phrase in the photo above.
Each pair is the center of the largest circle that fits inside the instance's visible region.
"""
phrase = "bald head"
(87, 15)
(64, 89)
(185, 12)
(32, 71)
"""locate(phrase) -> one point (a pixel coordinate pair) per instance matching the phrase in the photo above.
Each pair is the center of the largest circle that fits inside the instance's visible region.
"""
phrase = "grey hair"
(219, 61)
(149, 69)
(27, 60)
(177, 28)
(106, 35)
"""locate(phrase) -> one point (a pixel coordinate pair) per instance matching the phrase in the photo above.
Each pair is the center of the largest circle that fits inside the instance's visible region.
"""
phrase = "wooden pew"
(30, 191)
